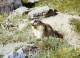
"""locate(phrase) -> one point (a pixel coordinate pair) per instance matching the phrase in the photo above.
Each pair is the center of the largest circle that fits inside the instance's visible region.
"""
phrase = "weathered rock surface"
(8, 48)
(18, 12)
(32, 1)
(16, 54)
(61, 23)
(38, 11)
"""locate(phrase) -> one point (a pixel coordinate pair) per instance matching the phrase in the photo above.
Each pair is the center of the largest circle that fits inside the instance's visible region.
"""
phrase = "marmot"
(41, 29)
(51, 12)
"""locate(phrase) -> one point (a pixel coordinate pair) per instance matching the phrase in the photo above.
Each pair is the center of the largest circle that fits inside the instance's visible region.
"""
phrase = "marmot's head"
(51, 12)
(36, 22)
(37, 28)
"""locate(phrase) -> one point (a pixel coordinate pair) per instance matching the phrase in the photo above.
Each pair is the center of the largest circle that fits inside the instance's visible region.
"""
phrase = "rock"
(23, 24)
(22, 10)
(9, 5)
(10, 1)
(6, 7)
(38, 11)
(18, 12)
(61, 24)
(8, 48)
(17, 4)
(16, 54)
(32, 1)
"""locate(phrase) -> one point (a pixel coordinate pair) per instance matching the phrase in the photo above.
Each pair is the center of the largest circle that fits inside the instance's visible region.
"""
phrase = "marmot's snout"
(35, 22)
(32, 23)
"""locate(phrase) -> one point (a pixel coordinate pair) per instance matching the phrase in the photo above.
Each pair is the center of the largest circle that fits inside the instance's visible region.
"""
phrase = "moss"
(76, 24)
(24, 1)
(1, 56)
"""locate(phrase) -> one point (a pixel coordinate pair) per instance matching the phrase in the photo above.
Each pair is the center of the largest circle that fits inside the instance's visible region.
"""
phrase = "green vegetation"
(60, 53)
(76, 24)
(17, 48)
(13, 35)
(54, 48)
(67, 6)
(24, 1)
(57, 48)
(1, 56)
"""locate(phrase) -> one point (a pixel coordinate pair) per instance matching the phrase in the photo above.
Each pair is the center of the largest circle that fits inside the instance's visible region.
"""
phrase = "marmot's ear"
(55, 10)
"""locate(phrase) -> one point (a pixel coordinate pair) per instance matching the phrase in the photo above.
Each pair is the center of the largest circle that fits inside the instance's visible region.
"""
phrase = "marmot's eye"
(35, 21)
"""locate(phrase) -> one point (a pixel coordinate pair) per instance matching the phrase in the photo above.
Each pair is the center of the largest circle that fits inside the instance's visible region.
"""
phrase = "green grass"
(66, 6)
(1, 56)
(13, 35)
(24, 1)
(60, 53)
(25, 34)
(58, 48)
(76, 25)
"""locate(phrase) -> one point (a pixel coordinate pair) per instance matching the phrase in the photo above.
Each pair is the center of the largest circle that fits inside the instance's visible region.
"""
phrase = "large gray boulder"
(18, 12)
(38, 11)
(16, 3)
(16, 54)
(59, 23)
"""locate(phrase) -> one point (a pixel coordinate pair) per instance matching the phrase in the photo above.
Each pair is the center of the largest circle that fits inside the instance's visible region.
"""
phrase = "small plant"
(53, 48)
(24, 1)
(76, 24)
(17, 48)
(1, 56)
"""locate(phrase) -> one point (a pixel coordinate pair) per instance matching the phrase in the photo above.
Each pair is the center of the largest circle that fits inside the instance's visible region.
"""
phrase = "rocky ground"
(16, 32)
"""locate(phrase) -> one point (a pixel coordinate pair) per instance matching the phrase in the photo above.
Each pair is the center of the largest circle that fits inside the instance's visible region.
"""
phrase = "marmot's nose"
(32, 22)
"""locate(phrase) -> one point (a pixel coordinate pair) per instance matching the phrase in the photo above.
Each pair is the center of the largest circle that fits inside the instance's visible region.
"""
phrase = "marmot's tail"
(55, 33)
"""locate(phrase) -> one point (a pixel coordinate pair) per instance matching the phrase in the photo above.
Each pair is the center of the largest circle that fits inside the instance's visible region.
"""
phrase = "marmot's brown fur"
(51, 12)
(45, 29)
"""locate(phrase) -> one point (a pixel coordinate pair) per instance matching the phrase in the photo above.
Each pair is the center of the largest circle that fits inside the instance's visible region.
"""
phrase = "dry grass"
(63, 50)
